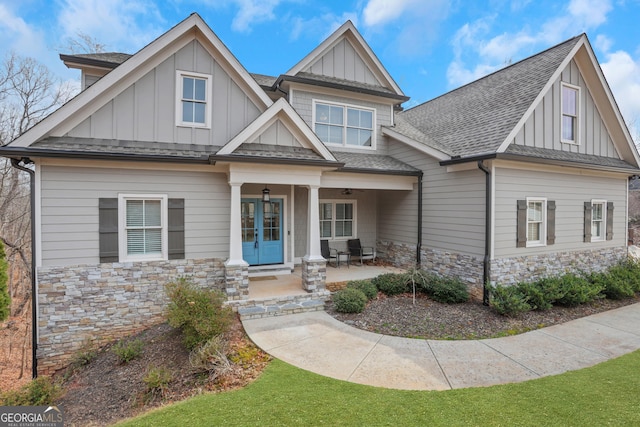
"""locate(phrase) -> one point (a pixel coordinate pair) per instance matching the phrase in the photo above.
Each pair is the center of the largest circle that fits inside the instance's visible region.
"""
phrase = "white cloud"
(124, 25)
(378, 12)
(477, 50)
(18, 36)
(603, 43)
(590, 13)
(252, 12)
(320, 27)
(622, 72)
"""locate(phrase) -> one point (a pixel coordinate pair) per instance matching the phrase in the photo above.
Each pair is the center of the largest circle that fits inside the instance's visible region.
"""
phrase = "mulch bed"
(428, 319)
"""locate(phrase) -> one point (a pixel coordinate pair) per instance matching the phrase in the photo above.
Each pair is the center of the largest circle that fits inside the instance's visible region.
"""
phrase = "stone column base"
(314, 275)
(236, 281)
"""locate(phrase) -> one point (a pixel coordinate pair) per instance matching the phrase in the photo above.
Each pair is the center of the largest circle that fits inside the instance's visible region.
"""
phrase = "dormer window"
(344, 125)
(570, 113)
(193, 99)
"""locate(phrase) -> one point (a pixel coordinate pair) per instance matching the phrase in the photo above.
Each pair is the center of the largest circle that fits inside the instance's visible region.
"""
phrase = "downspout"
(486, 267)
(419, 244)
(34, 335)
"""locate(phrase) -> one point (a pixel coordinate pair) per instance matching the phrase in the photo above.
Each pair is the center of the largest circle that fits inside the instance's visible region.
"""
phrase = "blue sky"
(428, 46)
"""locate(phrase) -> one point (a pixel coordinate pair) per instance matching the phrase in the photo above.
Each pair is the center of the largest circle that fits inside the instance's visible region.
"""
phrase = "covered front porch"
(273, 295)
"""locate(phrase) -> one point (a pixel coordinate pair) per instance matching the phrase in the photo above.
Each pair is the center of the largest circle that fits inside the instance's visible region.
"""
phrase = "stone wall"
(90, 305)
(465, 267)
(530, 268)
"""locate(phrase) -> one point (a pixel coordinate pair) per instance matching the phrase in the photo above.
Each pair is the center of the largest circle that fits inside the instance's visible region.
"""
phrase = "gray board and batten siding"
(343, 62)
(69, 205)
(542, 129)
(145, 111)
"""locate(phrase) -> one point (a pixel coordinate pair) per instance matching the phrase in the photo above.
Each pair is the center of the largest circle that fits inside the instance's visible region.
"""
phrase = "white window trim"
(344, 144)
(578, 120)
(354, 229)
(208, 97)
(543, 231)
(603, 228)
(122, 232)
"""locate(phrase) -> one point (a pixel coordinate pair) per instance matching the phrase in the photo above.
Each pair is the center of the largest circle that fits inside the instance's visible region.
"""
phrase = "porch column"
(313, 226)
(314, 266)
(236, 268)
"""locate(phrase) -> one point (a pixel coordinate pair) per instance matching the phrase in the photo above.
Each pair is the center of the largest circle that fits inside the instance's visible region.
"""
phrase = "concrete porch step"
(269, 270)
(280, 305)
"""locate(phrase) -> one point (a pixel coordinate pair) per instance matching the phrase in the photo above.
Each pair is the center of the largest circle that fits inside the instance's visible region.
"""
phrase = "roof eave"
(381, 172)
(530, 159)
(271, 160)
(72, 59)
(19, 152)
(332, 85)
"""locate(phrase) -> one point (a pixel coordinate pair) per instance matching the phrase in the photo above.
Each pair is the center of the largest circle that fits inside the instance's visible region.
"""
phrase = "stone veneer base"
(90, 305)
(504, 270)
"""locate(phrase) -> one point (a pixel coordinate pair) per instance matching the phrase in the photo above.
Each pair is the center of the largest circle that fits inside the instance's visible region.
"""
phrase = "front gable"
(279, 126)
(600, 130)
(149, 110)
(345, 56)
(138, 98)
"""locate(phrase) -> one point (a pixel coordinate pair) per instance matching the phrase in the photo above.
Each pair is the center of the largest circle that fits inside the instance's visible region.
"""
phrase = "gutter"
(34, 306)
(419, 243)
(486, 264)
(297, 79)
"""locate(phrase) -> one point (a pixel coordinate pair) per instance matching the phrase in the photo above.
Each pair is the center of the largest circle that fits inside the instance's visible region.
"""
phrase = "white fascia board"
(437, 154)
(367, 181)
(509, 139)
(90, 100)
(361, 46)
(290, 118)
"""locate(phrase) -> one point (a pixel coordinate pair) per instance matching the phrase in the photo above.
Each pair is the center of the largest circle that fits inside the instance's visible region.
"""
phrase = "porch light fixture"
(265, 194)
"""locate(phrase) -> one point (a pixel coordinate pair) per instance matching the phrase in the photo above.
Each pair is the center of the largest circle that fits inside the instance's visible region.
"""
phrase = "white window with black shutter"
(536, 222)
(598, 221)
(141, 227)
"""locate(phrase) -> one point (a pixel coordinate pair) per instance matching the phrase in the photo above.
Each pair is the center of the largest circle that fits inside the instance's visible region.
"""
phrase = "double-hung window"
(570, 113)
(536, 222)
(193, 99)
(598, 220)
(143, 227)
(337, 219)
(344, 125)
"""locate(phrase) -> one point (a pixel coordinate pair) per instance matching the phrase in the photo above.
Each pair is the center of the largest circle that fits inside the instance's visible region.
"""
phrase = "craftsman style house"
(177, 161)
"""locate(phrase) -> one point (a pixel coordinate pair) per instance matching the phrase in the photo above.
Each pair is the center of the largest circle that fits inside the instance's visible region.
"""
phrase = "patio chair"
(362, 252)
(329, 253)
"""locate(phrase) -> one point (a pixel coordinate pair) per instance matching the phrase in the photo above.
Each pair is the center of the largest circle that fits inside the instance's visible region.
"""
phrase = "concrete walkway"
(317, 342)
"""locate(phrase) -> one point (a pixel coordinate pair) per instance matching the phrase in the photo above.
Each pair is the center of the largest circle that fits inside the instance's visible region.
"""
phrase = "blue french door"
(262, 231)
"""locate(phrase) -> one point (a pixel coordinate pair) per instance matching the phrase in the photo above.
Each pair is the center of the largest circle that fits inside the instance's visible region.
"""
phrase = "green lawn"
(606, 394)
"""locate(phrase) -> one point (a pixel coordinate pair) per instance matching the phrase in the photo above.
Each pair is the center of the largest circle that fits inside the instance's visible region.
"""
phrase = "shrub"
(349, 300)
(127, 350)
(536, 296)
(615, 282)
(39, 392)
(392, 283)
(199, 313)
(5, 299)
(366, 286)
(578, 290)
(508, 300)
(552, 289)
(157, 380)
(211, 357)
(447, 290)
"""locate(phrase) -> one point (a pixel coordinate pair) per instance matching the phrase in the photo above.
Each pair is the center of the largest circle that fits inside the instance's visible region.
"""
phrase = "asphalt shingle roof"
(276, 152)
(565, 156)
(476, 118)
(125, 147)
(375, 163)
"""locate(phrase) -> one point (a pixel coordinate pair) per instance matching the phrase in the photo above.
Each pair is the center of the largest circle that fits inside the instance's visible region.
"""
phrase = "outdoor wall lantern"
(265, 194)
